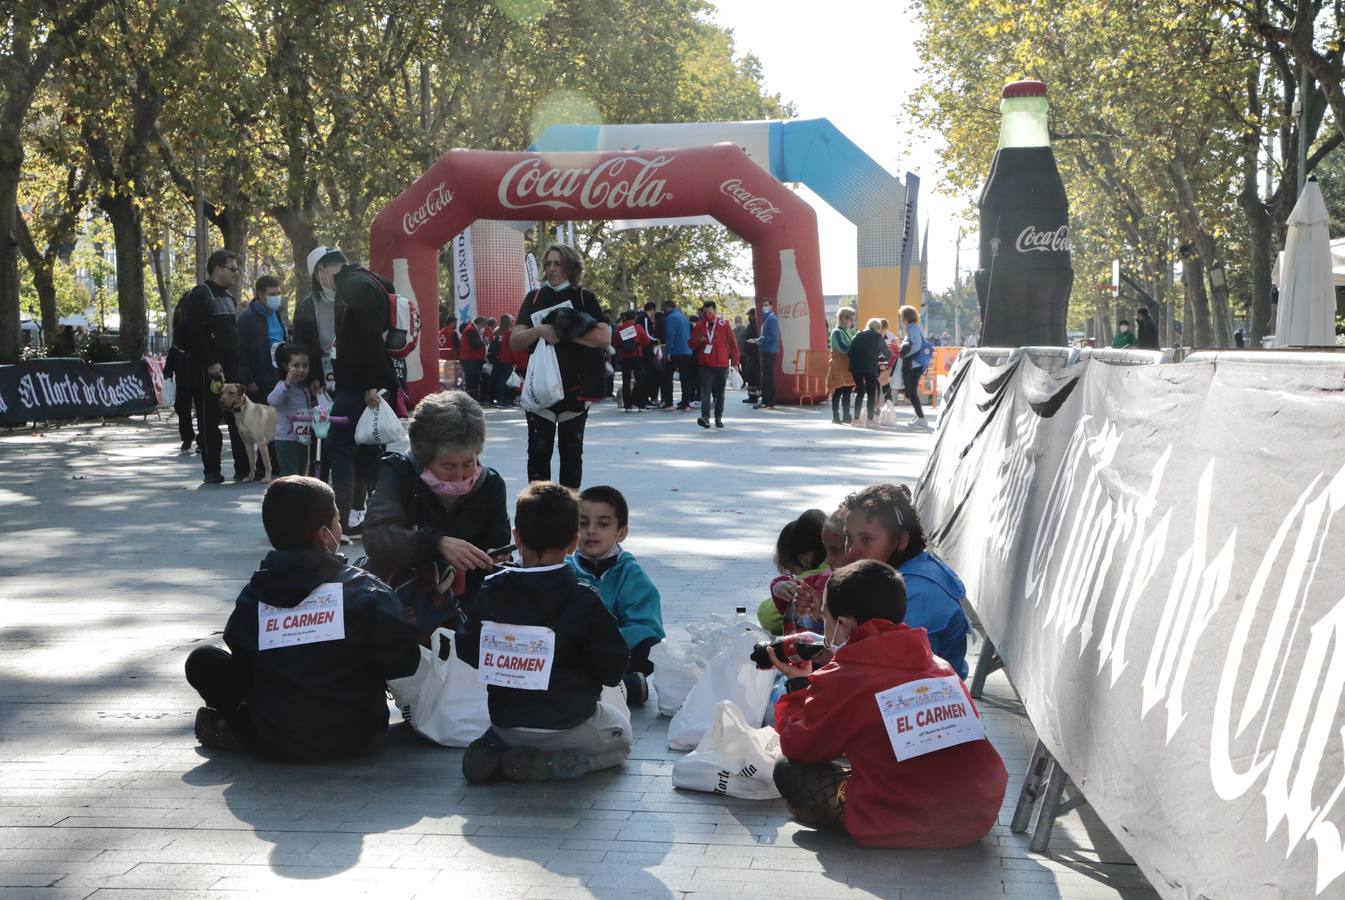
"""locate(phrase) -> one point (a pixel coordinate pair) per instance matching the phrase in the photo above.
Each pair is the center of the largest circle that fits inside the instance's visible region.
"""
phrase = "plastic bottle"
(795, 648)
(1024, 276)
(401, 283)
(791, 308)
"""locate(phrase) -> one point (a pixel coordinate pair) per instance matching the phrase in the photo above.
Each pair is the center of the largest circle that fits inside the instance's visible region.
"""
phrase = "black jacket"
(867, 352)
(1147, 337)
(405, 520)
(179, 365)
(256, 365)
(362, 362)
(210, 323)
(320, 700)
(590, 651)
(583, 370)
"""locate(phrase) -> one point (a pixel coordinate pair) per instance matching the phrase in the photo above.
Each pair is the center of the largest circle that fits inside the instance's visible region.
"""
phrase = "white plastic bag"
(169, 392)
(733, 759)
(887, 416)
(404, 690)
(449, 705)
(514, 381)
(730, 676)
(379, 426)
(675, 673)
(735, 380)
(542, 386)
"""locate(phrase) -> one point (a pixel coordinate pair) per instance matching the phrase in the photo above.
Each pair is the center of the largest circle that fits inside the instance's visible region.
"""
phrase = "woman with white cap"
(316, 315)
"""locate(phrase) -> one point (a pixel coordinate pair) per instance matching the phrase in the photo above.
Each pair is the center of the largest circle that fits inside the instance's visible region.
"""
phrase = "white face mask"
(563, 286)
(1124, 329)
(274, 303)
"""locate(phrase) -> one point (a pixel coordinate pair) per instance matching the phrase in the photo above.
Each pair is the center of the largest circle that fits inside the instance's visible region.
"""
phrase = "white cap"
(318, 254)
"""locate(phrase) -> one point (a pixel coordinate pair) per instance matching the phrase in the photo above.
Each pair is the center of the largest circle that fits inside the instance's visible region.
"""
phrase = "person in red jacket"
(501, 394)
(448, 338)
(713, 345)
(472, 355)
(630, 340)
(944, 797)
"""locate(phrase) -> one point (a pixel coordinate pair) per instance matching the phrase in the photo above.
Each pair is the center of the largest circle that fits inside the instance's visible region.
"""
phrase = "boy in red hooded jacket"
(945, 797)
(714, 346)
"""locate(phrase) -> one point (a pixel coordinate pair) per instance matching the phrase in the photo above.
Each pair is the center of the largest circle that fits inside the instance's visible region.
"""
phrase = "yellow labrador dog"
(256, 426)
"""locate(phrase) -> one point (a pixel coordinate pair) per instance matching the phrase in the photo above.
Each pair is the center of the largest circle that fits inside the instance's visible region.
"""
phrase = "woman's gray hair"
(875, 325)
(446, 422)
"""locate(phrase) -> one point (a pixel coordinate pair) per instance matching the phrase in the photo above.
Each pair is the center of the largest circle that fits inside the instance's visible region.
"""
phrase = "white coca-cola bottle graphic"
(791, 307)
(401, 283)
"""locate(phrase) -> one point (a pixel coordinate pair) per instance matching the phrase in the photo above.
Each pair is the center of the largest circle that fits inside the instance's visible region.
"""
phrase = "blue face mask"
(274, 303)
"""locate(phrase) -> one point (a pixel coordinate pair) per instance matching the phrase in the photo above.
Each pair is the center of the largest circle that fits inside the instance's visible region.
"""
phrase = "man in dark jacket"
(363, 370)
(652, 323)
(1147, 337)
(311, 641)
(211, 340)
(259, 331)
(545, 645)
(179, 366)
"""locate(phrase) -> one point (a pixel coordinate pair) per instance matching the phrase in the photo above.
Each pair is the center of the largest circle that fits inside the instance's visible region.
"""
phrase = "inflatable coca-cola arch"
(720, 181)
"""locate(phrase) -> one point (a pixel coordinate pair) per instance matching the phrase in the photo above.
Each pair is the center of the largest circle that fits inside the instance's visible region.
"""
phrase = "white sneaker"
(920, 424)
(356, 518)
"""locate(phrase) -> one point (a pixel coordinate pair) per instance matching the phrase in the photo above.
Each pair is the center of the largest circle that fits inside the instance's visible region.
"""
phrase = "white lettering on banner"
(760, 207)
(1030, 239)
(438, 198)
(1316, 697)
(926, 715)
(1196, 591)
(599, 187)
(516, 656)
(321, 616)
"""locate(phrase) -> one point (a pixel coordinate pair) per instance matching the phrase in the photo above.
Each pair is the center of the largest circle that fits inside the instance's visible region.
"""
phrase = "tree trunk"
(298, 227)
(1219, 331)
(41, 267)
(10, 336)
(130, 241)
(1197, 333)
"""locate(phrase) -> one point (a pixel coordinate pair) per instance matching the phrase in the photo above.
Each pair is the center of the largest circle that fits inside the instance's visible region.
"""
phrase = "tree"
(37, 36)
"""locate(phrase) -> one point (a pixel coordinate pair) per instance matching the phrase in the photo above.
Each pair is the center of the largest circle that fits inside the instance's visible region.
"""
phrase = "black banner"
(1158, 554)
(48, 389)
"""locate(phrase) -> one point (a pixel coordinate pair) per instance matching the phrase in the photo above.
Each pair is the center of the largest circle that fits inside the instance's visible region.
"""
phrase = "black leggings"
(542, 440)
(814, 792)
(866, 386)
(910, 380)
(840, 402)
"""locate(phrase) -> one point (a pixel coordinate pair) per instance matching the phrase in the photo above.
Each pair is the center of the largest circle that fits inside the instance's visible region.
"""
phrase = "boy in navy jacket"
(545, 645)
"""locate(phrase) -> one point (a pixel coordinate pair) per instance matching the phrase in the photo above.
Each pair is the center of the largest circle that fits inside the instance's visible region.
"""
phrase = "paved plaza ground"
(119, 562)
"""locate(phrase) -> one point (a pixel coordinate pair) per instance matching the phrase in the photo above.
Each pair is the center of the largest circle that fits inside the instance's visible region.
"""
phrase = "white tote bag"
(730, 676)
(542, 386)
(675, 674)
(379, 426)
(449, 706)
(733, 759)
(169, 392)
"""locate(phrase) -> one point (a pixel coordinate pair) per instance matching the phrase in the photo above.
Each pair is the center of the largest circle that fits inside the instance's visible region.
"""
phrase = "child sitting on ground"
(545, 645)
(881, 524)
(806, 552)
(625, 589)
(311, 642)
(291, 396)
(947, 797)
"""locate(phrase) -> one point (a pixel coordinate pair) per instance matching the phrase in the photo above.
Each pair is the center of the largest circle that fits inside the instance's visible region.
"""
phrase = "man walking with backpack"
(210, 337)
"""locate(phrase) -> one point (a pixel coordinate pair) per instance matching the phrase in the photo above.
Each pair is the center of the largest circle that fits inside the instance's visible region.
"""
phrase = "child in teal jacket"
(625, 589)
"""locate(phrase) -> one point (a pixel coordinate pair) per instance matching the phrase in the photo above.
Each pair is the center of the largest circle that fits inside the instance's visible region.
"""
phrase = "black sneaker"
(749, 399)
(213, 478)
(637, 688)
(481, 761)
(835, 420)
(531, 764)
(702, 423)
(213, 730)
(186, 445)
(719, 423)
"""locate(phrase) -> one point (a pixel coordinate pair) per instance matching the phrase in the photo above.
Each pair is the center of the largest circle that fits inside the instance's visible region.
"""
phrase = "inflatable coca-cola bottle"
(1024, 278)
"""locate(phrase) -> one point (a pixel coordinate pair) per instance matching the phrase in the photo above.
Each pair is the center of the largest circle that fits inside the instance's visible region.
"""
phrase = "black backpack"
(180, 321)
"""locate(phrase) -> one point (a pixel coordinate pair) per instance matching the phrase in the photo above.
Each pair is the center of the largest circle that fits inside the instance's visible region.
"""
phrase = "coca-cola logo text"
(438, 198)
(629, 182)
(1053, 241)
(796, 310)
(760, 207)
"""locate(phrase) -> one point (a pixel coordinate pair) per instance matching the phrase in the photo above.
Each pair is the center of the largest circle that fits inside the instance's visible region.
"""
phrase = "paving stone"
(104, 793)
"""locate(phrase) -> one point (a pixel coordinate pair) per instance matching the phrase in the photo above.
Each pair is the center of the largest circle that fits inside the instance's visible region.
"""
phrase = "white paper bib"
(927, 715)
(321, 616)
(516, 656)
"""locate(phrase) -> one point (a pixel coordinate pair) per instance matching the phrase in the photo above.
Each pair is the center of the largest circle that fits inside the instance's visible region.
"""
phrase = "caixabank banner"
(1155, 552)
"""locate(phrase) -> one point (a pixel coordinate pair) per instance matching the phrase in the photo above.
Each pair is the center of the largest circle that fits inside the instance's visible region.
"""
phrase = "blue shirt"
(275, 329)
(677, 331)
(770, 334)
(934, 602)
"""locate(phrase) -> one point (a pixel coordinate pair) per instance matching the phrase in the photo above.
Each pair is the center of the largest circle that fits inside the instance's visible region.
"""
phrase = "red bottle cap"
(1029, 88)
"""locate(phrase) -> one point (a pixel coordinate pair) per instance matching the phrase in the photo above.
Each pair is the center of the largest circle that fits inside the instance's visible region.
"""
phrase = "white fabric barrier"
(1154, 551)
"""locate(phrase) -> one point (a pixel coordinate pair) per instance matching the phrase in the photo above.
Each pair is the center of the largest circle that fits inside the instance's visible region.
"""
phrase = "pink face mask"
(451, 488)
